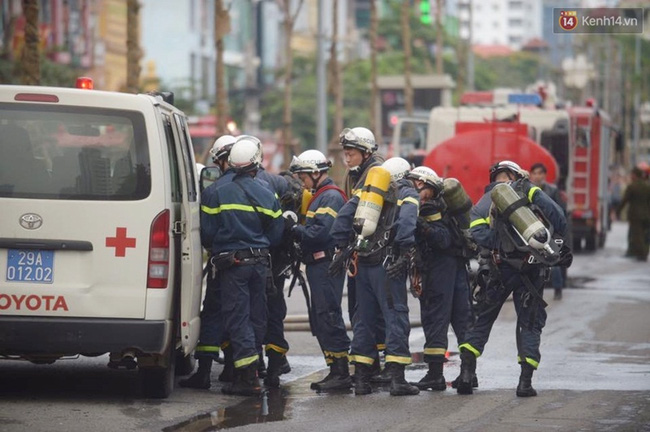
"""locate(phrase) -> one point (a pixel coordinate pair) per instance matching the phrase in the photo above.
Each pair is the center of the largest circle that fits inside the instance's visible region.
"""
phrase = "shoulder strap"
(326, 188)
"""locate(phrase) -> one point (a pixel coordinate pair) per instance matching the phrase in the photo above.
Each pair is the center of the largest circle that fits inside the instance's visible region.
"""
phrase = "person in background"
(538, 178)
(637, 196)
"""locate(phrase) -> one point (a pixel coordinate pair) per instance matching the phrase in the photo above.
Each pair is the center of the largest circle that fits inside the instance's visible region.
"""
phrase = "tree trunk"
(439, 36)
(133, 53)
(287, 139)
(374, 90)
(9, 24)
(221, 28)
(406, 44)
(30, 62)
(336, 81)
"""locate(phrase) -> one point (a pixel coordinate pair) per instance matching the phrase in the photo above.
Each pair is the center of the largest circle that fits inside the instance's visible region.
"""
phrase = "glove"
(566, 257)
(396, 269)
(337, 266)
(422, 228)
(290, 220)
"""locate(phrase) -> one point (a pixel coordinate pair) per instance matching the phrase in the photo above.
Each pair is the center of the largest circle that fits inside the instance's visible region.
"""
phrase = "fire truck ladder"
(581, 167)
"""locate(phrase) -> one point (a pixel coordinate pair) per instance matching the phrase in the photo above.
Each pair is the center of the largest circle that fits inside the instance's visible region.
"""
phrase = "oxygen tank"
(371, 202)
(523, 219)
(304, 204)
(457, 200)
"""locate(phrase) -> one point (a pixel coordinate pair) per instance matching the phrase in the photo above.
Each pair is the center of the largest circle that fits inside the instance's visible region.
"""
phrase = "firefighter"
(211, 334)
(276, 346)
(445, 286)
(382, 261)
(243, 219)
(317, 248)
(511, 271)
(360, 152)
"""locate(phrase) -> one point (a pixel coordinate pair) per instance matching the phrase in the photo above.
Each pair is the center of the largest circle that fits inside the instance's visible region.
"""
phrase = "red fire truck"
(574, 144)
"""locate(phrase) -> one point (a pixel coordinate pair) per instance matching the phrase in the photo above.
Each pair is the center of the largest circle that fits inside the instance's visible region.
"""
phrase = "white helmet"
(505, 165)
(358, 138)
(221, 147)
(397, 167)
(255, 140)
(245, 155)
(310, 161)
(428, 176)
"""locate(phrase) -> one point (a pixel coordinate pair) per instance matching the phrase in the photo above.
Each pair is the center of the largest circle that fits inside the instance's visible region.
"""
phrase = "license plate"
(35, 266)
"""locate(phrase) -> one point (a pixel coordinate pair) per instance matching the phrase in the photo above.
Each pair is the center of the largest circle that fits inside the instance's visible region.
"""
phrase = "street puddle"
(271, 406)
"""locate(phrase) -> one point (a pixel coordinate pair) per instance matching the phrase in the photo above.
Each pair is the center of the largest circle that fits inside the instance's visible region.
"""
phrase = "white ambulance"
(99, 231)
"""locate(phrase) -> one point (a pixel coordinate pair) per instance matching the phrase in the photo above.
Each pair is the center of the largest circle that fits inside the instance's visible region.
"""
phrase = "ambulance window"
(188, 152)
(173, 160)
(73, 153)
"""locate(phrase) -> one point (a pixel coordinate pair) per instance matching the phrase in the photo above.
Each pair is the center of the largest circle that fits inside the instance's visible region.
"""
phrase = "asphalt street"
(594, 376)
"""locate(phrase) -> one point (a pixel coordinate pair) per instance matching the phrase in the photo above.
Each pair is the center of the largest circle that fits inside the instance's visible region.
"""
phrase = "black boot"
(557, 295)
(261, 367)
(454, 383)
(525, 388)
(379, 376)
(245, 383)
(434, 379)
(201, 378)
(285, 367)
(338, 378)
(398, 385)
(467, 371)
(228, 372)
(272, 378)
(362, 379)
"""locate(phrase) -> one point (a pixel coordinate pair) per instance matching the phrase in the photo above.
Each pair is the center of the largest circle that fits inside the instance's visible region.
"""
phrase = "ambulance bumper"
(69, 336)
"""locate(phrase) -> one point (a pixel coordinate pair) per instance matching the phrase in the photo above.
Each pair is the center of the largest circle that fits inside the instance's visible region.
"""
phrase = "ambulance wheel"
(590, 242)
(158, 381)
(184, 364)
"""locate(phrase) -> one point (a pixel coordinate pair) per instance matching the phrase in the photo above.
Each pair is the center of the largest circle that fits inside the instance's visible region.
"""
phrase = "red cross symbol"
(120, 242)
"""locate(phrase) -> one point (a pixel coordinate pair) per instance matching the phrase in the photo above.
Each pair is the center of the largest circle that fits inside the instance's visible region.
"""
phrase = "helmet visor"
(348, 137)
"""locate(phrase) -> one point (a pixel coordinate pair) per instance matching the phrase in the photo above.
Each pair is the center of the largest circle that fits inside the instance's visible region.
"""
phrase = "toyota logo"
(31, 221)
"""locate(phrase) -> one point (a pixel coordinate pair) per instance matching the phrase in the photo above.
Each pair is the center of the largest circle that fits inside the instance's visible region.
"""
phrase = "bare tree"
(30, 61)
(133, 53)
(221, 28)
(289, 20)
(406, 44)
(9, 25)
(439, 35)
(336, 81)
(374, 90)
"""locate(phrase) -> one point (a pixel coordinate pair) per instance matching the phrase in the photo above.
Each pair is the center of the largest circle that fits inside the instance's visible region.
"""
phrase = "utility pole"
(251, 65)
(374, 89)
(321, 79)
(439, 36)
(470, 52)
(221, 28)
(637, 99)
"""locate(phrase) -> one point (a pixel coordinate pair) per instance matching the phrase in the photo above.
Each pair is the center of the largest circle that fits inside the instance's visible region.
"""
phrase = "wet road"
(594, 375)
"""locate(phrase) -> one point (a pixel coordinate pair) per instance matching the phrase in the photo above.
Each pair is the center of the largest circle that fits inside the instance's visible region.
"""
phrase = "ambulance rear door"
(191, 262)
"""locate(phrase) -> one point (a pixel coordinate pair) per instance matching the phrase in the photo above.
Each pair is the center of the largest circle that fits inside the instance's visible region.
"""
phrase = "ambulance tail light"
(158, 268)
